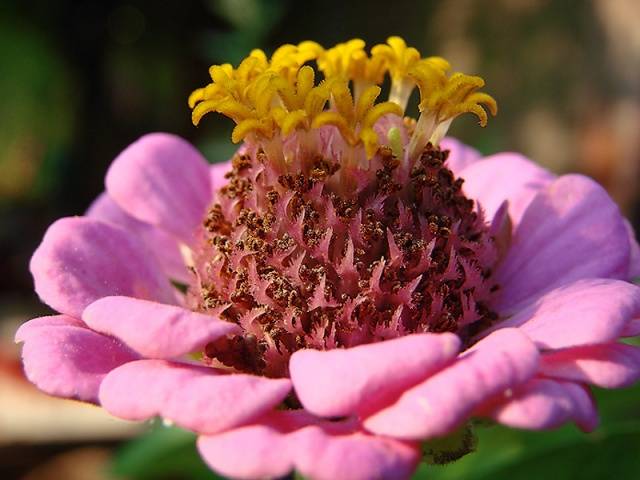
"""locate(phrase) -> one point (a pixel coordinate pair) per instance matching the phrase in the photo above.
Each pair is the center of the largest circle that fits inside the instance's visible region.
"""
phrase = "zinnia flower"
(348, 288)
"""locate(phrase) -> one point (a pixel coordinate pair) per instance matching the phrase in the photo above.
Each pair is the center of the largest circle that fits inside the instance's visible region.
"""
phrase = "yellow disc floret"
(270, 99)
(355, 120)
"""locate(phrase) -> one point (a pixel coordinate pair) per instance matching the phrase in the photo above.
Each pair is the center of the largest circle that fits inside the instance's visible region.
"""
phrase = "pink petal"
(460, 154)
(543, 404)
(162, 180)
(287, 440)
(505, 176)
(202, 399)
(340, 382)
(570, 231)
(35, 327)
(438, 405)
(218, 171)
(161, 244)
(355, 455)
(68, 360)
(81, 260)
(587, 311)
(631, 329)
(155, 330)
(634, 253)
(610, 365)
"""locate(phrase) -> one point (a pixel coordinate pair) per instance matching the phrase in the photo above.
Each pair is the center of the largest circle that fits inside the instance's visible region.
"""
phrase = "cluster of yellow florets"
(272, 98)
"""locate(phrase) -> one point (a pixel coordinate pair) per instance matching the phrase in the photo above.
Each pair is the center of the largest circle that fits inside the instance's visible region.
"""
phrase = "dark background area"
(83, 79)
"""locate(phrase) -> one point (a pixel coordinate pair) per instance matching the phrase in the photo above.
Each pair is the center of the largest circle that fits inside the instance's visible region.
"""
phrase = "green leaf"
(162, 454)
(612, 452)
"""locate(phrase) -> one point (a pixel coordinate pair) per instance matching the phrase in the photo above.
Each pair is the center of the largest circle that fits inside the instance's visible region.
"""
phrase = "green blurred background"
(82, 79)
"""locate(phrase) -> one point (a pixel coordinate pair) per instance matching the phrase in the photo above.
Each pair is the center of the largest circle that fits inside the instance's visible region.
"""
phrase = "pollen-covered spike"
(321, 298)
(376, 277)
(395, 254)
(248, 321)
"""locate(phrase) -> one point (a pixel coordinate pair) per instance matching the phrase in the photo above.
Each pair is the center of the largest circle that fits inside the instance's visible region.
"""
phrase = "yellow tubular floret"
(269, 98)
(398, 57)
(336, 62)
(447, 97)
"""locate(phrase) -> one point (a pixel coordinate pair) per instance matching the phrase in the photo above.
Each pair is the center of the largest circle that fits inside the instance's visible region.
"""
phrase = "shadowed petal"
(542, 404)
(164, 246)
(155, 330)
(197, 398)
(81, 260)
(587, 311)
(340, 382)
(505, 176)
(631, 329)
(610, 365)
(460, 154)
(570, 231)
(283, 441)
(163, 180)
(438, 405)
(634, 253)
(68, 360)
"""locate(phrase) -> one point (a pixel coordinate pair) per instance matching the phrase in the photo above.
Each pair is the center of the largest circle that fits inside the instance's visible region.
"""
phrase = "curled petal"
(584, 312)
(81, 260)
(162, 180)
(438, 405)
(317, 449)
(610, 365)
(63, 358)
(570, 231)
(161, 244)
(505, 176)
(197, 398)
(542, 404)
(155, 330)
(340, 382)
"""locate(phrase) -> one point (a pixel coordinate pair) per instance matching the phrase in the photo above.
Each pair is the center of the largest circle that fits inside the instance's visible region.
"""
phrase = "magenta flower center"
(298, 264)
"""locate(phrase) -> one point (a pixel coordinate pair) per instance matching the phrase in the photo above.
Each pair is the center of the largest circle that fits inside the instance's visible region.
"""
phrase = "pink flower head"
(354, 283)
